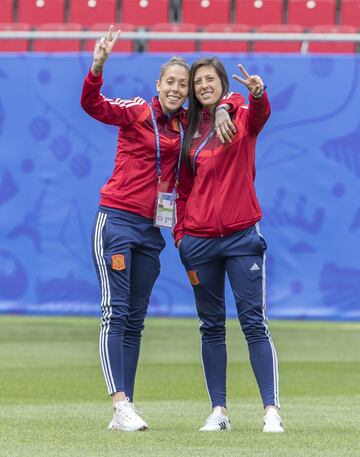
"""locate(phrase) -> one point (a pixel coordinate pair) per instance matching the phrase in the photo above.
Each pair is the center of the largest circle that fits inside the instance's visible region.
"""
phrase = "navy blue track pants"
(126, 249)
(242, 257)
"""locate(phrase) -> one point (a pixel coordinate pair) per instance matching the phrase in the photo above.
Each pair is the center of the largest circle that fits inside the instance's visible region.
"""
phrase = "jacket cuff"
(94, 79)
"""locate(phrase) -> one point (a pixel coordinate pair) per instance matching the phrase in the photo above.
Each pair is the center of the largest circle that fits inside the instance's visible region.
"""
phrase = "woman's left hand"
(224, 127)
(253, 82)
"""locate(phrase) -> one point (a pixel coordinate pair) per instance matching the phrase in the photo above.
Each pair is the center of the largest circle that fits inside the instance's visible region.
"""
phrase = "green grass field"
(53, 400)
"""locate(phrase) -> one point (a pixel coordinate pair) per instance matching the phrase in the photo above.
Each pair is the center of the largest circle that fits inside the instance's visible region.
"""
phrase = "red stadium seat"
(14, 45)
(64, 45)
(278, 46)
(204, 12)
(6, 11)
(145, 12)
(310, 13)
(344, 47)
(225, 46)
(259, 12)
(350, 13)
(172, 45)
(89, 12)
(121, 45)
(36, 12)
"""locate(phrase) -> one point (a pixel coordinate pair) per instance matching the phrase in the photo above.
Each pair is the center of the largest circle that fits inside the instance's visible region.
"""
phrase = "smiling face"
(207, 86)
(173, 88)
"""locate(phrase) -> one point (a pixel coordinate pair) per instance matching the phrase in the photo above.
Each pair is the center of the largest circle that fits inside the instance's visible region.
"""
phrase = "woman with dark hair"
(137, 200)
(217, 233)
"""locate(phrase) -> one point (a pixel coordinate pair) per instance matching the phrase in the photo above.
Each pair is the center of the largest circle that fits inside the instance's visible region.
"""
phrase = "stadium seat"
(350, 13)
(170, 45)
(204, 12)
(121, 45)
(14, 45)
(259, 12)
(278, 46)
(145, 12)
(310, 13)
(64, 45)
(6, 11)
(344, 47)
(36, 12)
(225, 46)
(89, 12)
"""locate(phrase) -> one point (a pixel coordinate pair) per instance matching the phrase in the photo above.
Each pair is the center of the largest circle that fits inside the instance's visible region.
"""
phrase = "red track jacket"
(133, 184)
(221, 199)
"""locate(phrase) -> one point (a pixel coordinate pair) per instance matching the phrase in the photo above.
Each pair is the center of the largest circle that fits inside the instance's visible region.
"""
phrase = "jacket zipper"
(216, 195)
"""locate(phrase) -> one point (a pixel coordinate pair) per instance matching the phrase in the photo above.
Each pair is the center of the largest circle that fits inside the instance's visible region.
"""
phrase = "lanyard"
(200, 148)
(158, 157)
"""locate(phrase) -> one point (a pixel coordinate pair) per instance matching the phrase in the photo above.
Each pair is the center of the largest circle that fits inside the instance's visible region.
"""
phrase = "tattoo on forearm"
(97, 68)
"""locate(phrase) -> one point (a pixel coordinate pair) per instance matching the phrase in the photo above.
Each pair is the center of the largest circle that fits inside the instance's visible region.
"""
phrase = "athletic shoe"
(272, 422)
(127, 418)
(216, 422)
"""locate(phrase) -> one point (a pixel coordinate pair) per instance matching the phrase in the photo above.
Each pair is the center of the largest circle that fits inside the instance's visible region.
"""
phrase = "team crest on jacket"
(194, 280)
(118, 262)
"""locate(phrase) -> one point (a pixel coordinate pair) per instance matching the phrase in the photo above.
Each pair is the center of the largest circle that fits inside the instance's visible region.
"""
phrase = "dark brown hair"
(195, 107)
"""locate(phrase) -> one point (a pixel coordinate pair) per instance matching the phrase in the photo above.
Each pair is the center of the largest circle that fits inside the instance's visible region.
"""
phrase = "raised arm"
(259, 107)
(114, 111)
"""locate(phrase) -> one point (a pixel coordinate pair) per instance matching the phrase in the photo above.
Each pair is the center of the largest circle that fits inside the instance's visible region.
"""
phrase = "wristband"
(219, 107)
(260, 94)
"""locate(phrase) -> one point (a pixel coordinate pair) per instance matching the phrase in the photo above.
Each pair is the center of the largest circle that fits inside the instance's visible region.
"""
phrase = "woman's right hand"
(178, 243)
(103, 49)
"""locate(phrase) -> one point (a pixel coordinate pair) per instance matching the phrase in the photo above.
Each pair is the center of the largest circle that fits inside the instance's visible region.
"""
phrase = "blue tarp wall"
(54, 159)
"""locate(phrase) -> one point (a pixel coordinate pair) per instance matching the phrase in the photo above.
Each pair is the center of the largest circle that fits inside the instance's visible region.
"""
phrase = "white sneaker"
(216, 422)
(272, 422)
(127, 418)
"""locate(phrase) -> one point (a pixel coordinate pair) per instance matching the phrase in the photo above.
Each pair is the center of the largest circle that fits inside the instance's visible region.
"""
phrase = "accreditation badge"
(165, 209)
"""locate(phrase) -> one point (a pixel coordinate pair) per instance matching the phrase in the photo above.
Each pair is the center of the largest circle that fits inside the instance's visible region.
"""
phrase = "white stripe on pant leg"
(273, 350)
(105, 303)
(105, 292)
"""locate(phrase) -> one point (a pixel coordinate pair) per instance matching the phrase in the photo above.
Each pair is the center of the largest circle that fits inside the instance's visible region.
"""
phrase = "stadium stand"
(204, 12)
(37, 12)
(330, 46)
(350, 13)
(66, 45)
(225, 46)
(259, 12)
(310, 13)
(121, 45)
(172, 45)
(145, 12)
(89, 12)
(278, 46)
(6, 11)
(14, 45)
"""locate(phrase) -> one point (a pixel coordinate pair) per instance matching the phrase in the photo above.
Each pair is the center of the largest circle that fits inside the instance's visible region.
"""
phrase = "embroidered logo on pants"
(118, 262)
(255, 267)
(194, 280)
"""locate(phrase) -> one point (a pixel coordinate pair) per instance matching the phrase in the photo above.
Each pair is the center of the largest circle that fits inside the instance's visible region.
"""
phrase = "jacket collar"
(159, 113)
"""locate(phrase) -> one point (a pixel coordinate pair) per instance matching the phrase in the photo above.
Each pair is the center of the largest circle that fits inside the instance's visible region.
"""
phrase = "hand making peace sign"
(103, 48)
(253, 82)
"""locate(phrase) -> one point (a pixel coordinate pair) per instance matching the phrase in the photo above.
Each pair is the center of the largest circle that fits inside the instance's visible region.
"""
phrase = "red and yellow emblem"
(118, 262)
(193, 278)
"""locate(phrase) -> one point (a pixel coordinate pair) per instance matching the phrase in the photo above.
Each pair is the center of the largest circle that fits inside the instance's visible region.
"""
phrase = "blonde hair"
(173, 61)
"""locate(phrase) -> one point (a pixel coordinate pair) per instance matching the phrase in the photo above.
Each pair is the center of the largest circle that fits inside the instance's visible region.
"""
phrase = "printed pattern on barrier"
(54, 159)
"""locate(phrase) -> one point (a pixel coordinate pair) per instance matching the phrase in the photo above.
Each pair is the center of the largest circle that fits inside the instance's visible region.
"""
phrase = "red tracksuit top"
(221, 198)
(133, 184)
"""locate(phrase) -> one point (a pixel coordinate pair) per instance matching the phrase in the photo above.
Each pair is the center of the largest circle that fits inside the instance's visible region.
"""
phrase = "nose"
(175, 88)
(204, 84)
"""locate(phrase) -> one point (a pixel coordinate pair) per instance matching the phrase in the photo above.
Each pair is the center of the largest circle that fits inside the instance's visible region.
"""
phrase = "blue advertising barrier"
(54, 158)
